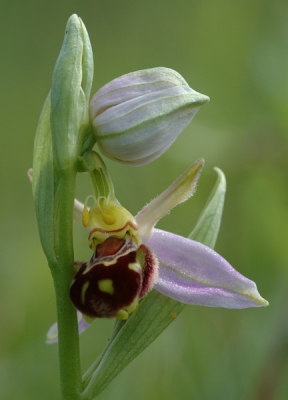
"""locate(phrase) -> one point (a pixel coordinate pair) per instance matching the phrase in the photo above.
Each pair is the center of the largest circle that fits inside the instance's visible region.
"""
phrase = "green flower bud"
(70, 92)
(137, 116)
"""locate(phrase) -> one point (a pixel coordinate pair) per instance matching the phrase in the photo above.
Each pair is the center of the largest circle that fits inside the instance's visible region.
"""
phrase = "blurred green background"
(236, 53)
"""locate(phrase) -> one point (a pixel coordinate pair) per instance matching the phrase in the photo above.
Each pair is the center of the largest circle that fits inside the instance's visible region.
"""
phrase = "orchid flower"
(178, 267)
(134, 119)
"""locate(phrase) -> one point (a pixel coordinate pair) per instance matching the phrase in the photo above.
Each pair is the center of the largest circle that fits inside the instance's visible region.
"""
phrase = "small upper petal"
(195, 274)
(177, 193)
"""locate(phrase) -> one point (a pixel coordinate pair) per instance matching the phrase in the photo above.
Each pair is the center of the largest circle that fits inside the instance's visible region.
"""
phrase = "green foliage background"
(236, 53)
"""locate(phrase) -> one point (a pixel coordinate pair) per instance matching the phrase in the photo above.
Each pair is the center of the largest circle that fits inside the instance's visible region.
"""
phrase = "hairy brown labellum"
(117, 275)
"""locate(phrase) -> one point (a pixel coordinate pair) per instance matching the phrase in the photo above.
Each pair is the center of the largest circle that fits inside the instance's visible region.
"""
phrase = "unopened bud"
(137, 116)
(70, 92)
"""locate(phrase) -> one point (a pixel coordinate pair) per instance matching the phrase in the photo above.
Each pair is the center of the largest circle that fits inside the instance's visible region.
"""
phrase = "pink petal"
(195, 274)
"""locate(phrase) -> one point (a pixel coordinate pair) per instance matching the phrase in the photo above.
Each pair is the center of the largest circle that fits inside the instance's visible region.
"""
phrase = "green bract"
(137, 116)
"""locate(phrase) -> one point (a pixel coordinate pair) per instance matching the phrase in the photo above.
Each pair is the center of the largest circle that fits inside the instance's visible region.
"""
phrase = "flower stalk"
(63, 125)
(69, 353)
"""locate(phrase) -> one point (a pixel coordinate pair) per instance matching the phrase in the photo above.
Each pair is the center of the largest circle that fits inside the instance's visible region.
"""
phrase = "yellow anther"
(85, 216)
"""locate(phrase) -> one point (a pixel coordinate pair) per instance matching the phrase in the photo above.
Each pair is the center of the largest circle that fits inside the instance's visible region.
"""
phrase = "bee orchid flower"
(143, 257)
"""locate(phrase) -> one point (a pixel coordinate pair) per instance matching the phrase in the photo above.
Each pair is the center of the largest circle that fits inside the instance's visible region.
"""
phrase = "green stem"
(69, 353)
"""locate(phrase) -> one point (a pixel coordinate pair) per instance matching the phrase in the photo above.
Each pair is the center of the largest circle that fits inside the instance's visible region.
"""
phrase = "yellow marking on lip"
(125, 312)
(122, 314)
(106, 286)
(133, 306)
(135, 267)
(83, 291)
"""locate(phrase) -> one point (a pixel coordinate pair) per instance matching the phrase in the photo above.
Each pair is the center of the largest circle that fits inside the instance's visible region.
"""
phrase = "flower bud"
(70, 91)
(137, 116)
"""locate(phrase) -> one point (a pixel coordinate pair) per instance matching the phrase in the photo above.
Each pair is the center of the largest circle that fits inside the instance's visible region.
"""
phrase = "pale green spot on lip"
(125, 312)
(83, 291)
(106, 286)
(135, 267)
(133, 306)
(122, 314)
